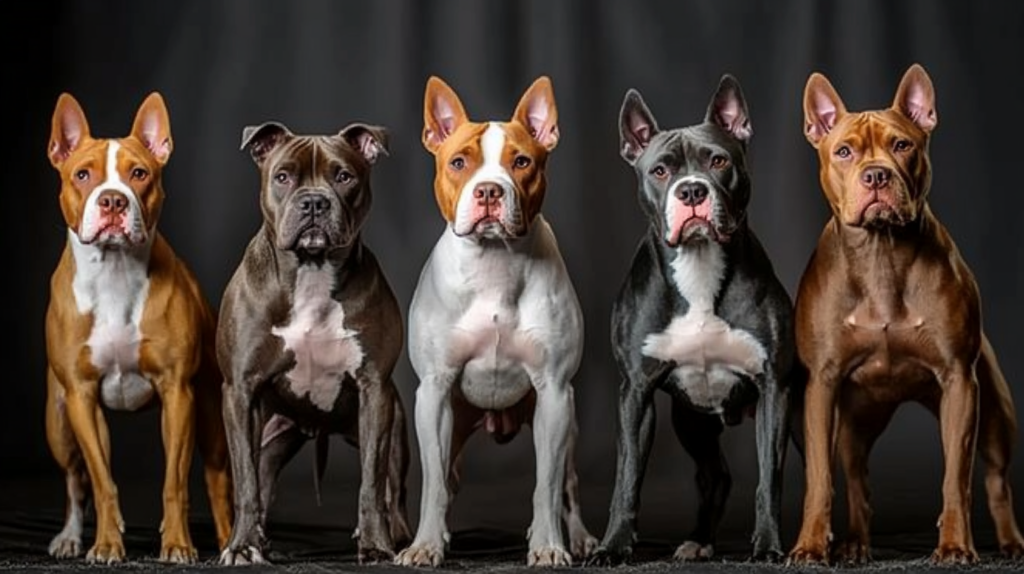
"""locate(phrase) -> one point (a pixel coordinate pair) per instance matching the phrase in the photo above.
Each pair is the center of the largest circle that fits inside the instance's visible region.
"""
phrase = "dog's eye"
(659, 171)
(458, 163)
(843, 152)
(281, 177)
(82, 175)
(139, 174)
(521, 162)
(903, 145)
(343, 176)
(719, 162)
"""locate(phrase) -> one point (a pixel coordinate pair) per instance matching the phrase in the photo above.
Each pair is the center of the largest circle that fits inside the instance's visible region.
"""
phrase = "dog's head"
(873, 165)
(694, 184)
(315, 189)
(111, 191)
(490, 176)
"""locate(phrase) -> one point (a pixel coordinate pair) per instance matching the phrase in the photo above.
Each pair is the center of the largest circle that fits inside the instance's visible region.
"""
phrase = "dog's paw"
(172, 553)
(548, 556)
(241, 556)
(421, 555)
(66, 545)
(375, 555)
(106, 552)
(582, 546)
(808, 555)
(954, 554)
(1012, 550)
(691, 551)
(604, 556)
(854, 552)
(767, 550)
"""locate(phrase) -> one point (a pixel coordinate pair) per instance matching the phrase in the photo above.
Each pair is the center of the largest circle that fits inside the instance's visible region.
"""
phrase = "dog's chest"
(112, 287)
(325, 350)
(710, 355)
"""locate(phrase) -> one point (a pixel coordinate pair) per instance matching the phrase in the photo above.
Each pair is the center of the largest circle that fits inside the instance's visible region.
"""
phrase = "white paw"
(242, 556)
(421, 555)
(690, 551)
(66, 545)
(549, 556)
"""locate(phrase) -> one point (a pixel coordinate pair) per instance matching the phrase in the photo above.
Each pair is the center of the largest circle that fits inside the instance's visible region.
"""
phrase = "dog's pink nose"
(112, 202)
(488, 193)
(876, 177)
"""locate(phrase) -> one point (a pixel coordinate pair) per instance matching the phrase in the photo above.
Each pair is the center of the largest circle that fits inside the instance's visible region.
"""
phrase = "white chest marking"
(711, 355)
(325, 351)
(112, 286)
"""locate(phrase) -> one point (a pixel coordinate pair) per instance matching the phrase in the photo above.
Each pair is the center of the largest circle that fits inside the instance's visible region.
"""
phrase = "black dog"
(701, 316)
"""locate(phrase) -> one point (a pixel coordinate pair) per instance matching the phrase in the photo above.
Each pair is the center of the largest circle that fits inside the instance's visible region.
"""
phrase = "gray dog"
(309, 334)
(701, 316)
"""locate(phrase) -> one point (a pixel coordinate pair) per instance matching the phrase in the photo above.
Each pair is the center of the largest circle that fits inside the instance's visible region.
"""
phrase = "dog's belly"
(711, 357)
(114, 351)
(493, 355)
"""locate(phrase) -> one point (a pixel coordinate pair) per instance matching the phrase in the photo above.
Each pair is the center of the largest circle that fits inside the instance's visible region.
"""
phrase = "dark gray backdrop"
(317, 65)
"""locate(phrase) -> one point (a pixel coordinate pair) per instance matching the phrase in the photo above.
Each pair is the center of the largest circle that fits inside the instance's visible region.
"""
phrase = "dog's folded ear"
(728, 109)
(260, 140)
(69, 128)
(369, 140)
(636, 126)
(822, 108)
(915, 98)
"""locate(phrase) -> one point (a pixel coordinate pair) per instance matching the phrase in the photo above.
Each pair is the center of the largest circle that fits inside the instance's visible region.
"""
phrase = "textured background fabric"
(317, 65)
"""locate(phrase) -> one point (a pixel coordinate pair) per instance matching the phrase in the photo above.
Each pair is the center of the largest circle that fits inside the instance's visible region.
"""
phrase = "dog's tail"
(320, 461)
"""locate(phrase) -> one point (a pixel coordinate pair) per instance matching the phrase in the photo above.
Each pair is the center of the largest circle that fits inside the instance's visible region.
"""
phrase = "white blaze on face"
(325, 350)
(468, 211)
(92, 218)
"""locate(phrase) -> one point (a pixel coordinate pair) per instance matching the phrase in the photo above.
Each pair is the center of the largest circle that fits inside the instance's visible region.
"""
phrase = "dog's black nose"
(876, 177)
(691, 193)
(314, 204)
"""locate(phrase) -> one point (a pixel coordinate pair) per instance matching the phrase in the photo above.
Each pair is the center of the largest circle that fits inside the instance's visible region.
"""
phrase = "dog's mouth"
(313, 240)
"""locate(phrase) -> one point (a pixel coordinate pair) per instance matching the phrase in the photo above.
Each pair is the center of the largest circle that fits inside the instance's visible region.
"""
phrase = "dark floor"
(309, 538)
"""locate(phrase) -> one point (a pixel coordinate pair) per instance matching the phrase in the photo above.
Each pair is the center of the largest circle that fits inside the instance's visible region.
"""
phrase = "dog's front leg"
(958, 417)
(772, 434)
(636, 432)
(812, 545)
(376, 412)
(177, 422)
(86, 418)
(247, 540)
(551, 425)
(433, 418)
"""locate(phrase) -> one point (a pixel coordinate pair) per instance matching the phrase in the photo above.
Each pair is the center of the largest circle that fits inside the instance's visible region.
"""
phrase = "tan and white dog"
(127, 328)
(495, 327)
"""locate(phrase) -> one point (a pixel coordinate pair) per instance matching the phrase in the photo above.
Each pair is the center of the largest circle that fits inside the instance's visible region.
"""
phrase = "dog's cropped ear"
(369, 140)
(537, 111)
(260, 140)
(915, 98)
(728, 109)
(822, 108)
(442, 113)
(152, 126)
(68, 129)
(636, 126)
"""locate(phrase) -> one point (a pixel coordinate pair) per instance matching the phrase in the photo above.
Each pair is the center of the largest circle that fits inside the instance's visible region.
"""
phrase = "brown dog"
(127, 327)
(888, 312)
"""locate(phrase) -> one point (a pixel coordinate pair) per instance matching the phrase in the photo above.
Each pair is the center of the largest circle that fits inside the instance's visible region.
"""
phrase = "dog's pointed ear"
(152, 126)
(915, 98)
(68, 129)
(822, 108)
(442, 113)
(728, 109)
(260, 140)
(369, 140)
(538, 112)
(636, 126)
